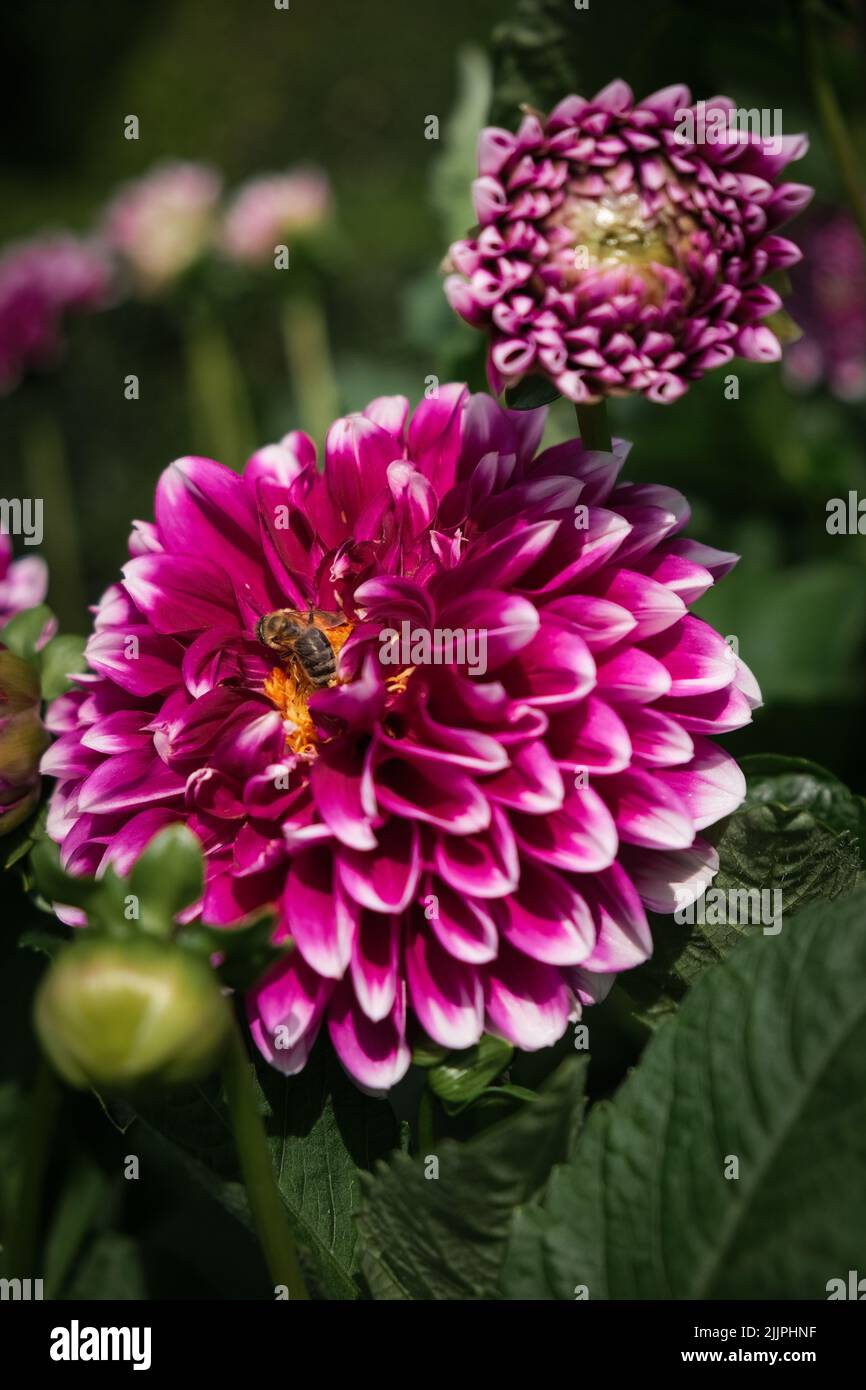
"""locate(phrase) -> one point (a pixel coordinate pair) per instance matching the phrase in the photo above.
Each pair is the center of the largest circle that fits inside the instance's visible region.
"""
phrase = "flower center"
(289, 689)
(614, 230)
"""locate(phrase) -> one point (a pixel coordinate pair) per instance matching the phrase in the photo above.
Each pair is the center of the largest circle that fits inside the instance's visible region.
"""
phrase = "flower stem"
(593, 426)
(266, 1204)
(305, 341)
(24, 1235)
(830, 113)
(426, 1131)
(218, 397)
(47, 476)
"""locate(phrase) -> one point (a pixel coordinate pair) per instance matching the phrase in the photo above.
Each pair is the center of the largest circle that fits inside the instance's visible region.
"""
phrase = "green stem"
(41, 1120)
(46, 473)
(308, 357)
(266, 1204)
(593, 427)
(426, 1131)
(219, 402)
(830, 113)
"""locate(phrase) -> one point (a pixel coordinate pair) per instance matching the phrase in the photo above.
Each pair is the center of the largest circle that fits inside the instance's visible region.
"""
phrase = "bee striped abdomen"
(315, 656)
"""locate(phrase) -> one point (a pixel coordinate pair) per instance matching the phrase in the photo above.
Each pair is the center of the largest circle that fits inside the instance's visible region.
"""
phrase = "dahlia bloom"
(265, 210)
(162, 223)
(40, 282)
(616, 255)
(23, 583)
(479, 850)
(828, 302)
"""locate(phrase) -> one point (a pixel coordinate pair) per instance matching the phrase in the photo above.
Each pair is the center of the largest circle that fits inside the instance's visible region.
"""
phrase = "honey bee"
(308, 641)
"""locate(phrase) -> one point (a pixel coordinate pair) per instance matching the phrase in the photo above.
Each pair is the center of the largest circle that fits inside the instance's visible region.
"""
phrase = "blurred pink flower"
(163, 222)
(828, 302)
(267, 209)
(23, 583)
(41, 281)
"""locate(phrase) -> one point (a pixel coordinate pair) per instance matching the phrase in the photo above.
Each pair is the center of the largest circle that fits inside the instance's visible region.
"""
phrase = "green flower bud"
(120, 1015)
(23, 740)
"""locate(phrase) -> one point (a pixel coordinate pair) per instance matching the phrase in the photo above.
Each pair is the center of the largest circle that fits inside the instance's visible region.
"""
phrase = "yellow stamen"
(397, 684)
(285, 691)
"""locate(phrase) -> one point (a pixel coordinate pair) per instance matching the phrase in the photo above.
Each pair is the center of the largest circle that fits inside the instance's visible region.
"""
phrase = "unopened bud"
(120, 1015)
(23, 740)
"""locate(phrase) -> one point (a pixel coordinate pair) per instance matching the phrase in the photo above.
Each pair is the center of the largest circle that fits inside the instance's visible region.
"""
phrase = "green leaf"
(54, 883)
(462, 1076)
(785, 327)
(784, 848)
(530, 393)
(764, 1063)
(20, 842)
(166, 878)
(513, 1092)
(323, 1131)
(762, 848)
(426, 1053)
(45, 942)
(111, 1268)
(798, 782)
(534, 58)
(83, 1197)
(22, 632)
(443, 1237)
(246, 950)
(63, 657)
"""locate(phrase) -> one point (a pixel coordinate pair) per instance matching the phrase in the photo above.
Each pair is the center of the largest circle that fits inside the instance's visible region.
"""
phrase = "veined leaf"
(323, 1131)
(729, 1164)
(795, 840)
(435, 1227)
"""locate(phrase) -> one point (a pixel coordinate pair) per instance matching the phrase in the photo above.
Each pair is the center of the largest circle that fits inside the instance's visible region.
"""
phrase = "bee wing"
(325, 620)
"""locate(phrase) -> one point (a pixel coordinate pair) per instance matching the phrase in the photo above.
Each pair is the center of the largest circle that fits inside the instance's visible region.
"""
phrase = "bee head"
(277, 630)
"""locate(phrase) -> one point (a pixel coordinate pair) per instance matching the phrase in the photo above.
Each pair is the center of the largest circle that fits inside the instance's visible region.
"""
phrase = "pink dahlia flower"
(41, 281)
(268, 209)
(162, 223)
(476, 848)
(621, 246)
(829, 304)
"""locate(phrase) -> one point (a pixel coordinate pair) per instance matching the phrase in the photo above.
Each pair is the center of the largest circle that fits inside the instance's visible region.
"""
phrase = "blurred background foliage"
(349, 87)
